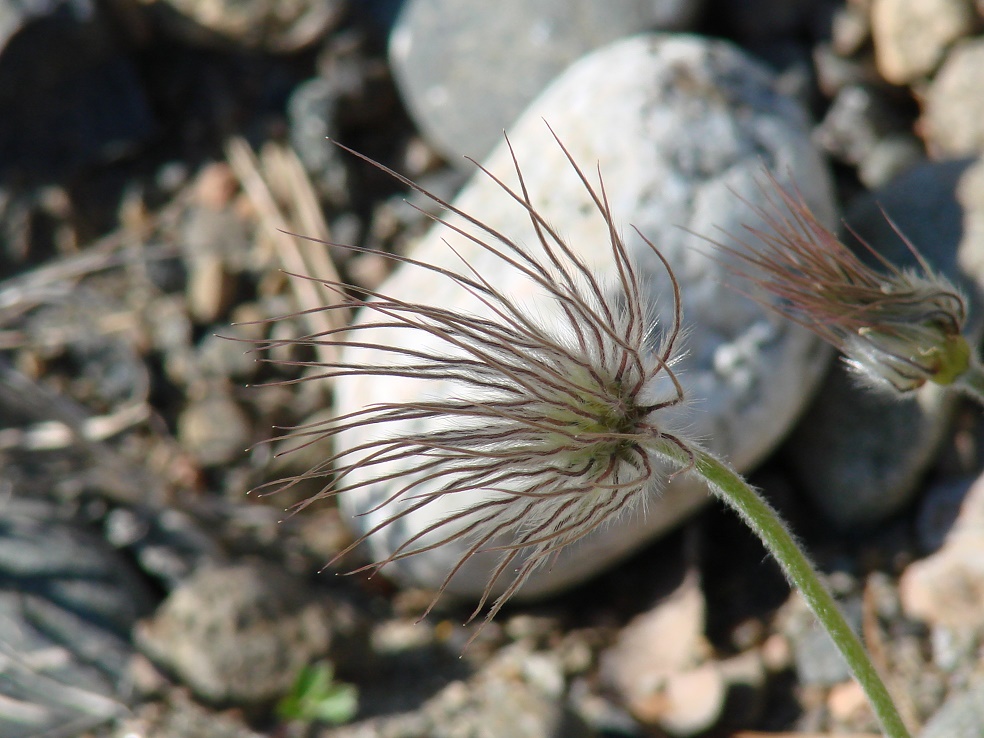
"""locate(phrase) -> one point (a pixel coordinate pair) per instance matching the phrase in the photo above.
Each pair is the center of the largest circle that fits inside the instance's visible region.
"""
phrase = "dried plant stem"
(772, 531)
(310, 294)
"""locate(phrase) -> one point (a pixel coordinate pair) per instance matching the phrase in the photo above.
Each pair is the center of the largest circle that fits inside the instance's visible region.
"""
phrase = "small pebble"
(912, 36)
(847, 701)
(503, 698)
(237, 633)
(215, 430)
(219, 357)
(817, 660)
(211, 288)
(888, 158)
(954, 109)
(254, 24)
(851, 28)
(215, 186)
(777, 655)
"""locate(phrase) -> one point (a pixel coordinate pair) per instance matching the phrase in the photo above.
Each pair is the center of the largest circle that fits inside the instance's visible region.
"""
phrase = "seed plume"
(553, 427)
(897, 328)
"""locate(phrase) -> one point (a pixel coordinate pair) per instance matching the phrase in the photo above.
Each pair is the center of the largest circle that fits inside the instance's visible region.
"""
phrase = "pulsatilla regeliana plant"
(557, 428)
(554, 427)
(896, 328)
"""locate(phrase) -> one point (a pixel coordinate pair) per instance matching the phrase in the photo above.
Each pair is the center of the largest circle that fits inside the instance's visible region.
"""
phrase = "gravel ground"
(155, 158)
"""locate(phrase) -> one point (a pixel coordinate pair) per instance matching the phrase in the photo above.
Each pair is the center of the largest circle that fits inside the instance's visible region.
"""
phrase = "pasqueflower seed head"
(897, 328)
(553, 427)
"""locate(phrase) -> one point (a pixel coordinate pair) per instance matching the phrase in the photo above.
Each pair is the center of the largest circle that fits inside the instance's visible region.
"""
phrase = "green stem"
(771, 530)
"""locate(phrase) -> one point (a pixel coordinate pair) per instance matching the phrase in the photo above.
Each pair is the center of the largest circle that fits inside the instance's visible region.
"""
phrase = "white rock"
(679, 125)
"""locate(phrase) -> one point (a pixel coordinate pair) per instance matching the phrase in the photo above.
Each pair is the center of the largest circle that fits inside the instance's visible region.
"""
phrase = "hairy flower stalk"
(897, 328)
(554, 429)
(766, 523)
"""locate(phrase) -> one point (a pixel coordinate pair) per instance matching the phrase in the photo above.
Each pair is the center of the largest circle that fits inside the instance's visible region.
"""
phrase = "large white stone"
(679, 125)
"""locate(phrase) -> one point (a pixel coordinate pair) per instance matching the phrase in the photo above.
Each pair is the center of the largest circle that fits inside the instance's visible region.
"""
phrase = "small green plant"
(317, 697)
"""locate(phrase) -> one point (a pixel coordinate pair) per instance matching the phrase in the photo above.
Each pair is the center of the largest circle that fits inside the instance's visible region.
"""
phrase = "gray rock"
(858, 454)
(859, 117)
(888, 158)
(960, 717)
(237, 634)
(167, 544)
(67, 602)
(182, 717)
(517, 694)
(954, 109)
(466, 70)
(911, 36)
(679, 125)
(215, 430)
(939, 510)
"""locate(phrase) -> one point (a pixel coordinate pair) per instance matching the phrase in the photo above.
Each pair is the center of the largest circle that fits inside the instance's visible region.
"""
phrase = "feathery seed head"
(552, 428)
(897, 328)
